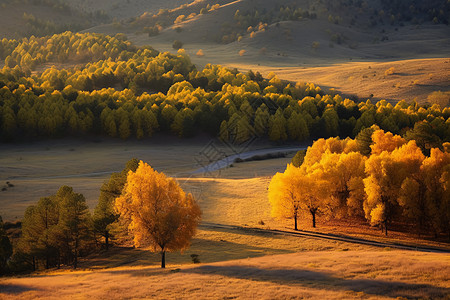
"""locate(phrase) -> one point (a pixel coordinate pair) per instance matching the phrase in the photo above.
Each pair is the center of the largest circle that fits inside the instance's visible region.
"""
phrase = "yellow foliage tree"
(344, 174)
(385, 141)
(386, 173)
(293, 190)
(162, 215)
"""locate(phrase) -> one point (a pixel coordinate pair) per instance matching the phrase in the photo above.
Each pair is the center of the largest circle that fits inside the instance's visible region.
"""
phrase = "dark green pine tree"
(5, 248)
(104, 214)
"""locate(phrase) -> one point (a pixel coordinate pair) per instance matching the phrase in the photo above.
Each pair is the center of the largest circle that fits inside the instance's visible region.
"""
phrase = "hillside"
(24, 18)
(119, 9)
(260, 35)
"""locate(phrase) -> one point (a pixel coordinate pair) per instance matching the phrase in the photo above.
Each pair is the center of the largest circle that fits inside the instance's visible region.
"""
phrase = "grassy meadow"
(234, 262)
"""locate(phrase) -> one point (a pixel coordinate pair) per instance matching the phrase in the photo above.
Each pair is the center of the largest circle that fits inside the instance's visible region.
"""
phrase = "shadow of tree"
(11, 289)
(208, 251)
(326, 281)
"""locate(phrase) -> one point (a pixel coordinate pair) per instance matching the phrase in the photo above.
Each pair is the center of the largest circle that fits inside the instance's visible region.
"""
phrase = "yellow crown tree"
(162, 215)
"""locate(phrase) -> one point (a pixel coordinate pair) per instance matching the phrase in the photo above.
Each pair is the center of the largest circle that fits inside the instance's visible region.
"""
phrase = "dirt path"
(342, 238)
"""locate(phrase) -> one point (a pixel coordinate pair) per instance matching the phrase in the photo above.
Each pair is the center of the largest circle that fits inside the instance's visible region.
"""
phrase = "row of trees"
(141, 91)
(59, 228)
(392, 182)
(65, 47)
(63, 17)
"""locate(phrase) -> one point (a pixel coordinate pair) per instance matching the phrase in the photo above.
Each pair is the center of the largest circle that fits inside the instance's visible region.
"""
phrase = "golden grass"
(235, 263)
(320, 275)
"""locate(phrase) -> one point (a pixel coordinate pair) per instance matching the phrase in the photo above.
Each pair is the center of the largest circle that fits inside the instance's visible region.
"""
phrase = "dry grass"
(320, 275)
(234, 263)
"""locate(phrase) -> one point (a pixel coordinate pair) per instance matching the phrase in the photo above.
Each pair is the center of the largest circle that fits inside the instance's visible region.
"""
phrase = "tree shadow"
(326, 281)
(12, 289)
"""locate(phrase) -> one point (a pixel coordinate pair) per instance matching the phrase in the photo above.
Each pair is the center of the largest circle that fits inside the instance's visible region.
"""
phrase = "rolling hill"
(319, 37)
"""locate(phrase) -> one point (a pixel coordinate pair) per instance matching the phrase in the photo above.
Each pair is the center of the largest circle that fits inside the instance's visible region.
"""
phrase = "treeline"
(378, 176)
(67, 47)
(154, 23)
(59, 229)
(393, 12)
(40, 27)
(254, 20)
(69, 18)
(138, 91)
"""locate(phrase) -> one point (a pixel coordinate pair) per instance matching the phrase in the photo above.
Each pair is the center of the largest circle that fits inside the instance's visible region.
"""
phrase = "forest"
(73, 84)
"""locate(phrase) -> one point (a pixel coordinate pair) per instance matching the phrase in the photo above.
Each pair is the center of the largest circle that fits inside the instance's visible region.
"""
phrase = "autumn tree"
(104, 214)
(386, 172)
(343, 173)
(435, 172)
(292, 191)
(162, 215)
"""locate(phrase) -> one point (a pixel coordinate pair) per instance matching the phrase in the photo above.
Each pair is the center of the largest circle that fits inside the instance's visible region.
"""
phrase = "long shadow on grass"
(12, 289)
(223, 250)
(208, 251)
(325, 281)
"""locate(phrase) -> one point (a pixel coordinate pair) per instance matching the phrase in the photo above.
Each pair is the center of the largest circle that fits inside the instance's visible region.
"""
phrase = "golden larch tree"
(293, 191)
(162, 215)
(385, 175)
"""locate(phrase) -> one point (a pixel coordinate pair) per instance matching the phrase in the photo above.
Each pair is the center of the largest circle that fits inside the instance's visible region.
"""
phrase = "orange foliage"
(161, 214)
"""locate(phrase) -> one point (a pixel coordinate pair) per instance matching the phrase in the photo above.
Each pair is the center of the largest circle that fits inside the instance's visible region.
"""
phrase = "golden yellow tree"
(344, 174)
(385, 141)
(284, 194)
(162, 215)
(436, 175)
(386, 173)
(293, 191)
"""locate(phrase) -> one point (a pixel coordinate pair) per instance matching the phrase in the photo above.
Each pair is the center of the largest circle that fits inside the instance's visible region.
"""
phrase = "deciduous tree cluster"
(394, 182)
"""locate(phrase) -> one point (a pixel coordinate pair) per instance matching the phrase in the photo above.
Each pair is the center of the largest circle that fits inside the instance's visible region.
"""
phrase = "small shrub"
(200, 53)
(195, 258)
(389, 71)
(177, 45)
(440, 98)
(179, 19)
(315, 45)
(238, 160)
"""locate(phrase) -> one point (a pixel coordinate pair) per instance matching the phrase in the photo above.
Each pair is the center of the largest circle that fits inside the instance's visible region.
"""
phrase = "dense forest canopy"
(91, 83)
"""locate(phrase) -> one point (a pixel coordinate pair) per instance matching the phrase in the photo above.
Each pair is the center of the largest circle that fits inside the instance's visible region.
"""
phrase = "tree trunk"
(295, 221)
(75, 260)
(385, 227)
(313, 214)
(163, 259)
(107, 240)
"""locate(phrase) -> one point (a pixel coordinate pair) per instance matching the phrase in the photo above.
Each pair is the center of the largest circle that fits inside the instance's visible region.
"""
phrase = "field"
(326, 275)
(235, 262)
